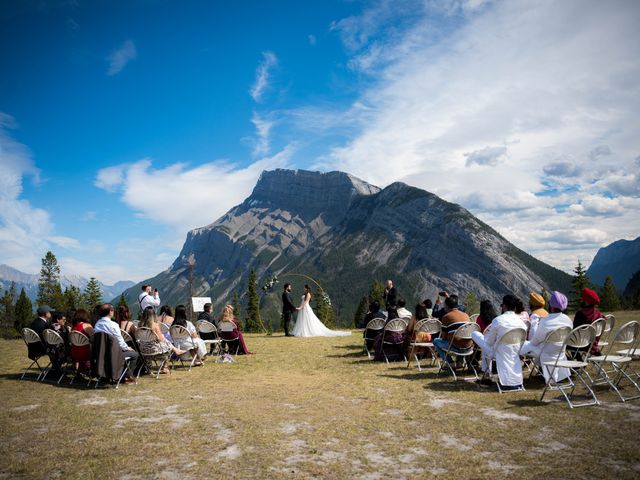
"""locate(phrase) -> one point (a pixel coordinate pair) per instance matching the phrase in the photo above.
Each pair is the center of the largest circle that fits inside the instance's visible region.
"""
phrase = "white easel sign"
(198, 303)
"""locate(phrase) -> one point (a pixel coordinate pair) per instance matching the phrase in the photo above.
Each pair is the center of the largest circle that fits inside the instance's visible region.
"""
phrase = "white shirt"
(501, 325)
(547, 325)
(507, 356)
(403, 313)
(108, 326)
(146, 300)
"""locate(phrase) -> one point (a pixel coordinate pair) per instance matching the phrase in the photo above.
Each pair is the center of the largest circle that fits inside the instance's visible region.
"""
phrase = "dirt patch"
(502, 415)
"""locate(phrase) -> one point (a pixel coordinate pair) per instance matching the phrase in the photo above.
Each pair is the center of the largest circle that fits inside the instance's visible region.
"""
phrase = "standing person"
(390, 295)
(287, 308)
(308, 324)
(145, 299)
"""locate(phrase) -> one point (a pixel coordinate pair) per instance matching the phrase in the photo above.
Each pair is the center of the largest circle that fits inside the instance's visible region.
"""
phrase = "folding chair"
(610, 322)
(514, 337)
(397, 326)
(573, 351)
(553, 340)
(581, 337)
(233, 337)
(208, 329)
(463, 332)
(474, 318)
(183, 340)
(55, 342)
(164, 328)
(35, 351)
(79, 339)
(151, 355)
(627, 335)
(431, 326)
(371, 331)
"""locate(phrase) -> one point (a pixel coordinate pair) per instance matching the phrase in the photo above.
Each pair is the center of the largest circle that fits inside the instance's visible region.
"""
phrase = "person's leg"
(133, 355)
(441, 346)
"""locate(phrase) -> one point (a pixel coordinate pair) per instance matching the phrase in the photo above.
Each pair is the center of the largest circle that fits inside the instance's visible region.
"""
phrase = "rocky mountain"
(345, 233)
(30, 283)
(621, 260)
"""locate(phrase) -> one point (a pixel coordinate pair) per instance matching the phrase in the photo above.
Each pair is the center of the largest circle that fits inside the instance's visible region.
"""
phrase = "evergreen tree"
(361, 311)
(632, 292)
(235, 303)
(93, 293)
(49, 281)
(471, 304)
(254, 323)
(323, 309)
(376, 292)
(122, 301)
(23, 311)
(73, 298)
(610, 298)
(7, 317)
(579, 281)
(57, 299)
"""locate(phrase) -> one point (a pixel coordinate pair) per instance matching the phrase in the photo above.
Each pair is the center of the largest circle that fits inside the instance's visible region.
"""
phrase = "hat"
(558, 300)
(44, 309)
(536, 300)
(589, 296)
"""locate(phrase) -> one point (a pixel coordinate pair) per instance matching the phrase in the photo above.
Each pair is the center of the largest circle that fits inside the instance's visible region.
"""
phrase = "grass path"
(304, 408)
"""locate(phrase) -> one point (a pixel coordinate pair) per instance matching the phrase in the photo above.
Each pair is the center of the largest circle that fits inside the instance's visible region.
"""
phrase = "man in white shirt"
(534, 347)
(145, 299)
(507, 356)
(106, 325)
(402, 310)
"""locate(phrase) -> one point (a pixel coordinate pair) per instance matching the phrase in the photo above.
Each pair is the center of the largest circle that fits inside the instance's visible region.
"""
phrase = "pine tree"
(254, 324)
(73, 298)
(376, 292)
(49, 282)
(632, 292)
(579, 281)
(93, 293)
(323, 308)
(235, 303)
(361, 311)
(7, 310)
(610, 298)
(471, 304)
(57, 298)
(23, 311)
(122, 301)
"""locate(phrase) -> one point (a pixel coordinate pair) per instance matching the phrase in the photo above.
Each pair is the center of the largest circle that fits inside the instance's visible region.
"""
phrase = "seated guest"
(59, 353)
(451, 320)
(401, 310)
(123, 319)
(556, 319)
(105, 324)
(166, 316)
(206, 315)
(374, 312)
(161, 344)
(81, 324)
(428, 305)
(228, 316)
(42, 320)
(201, 349)
(486, 316)
(521, 312)
(418, 337)
(588, 313)
(507, 356)
(536, 305)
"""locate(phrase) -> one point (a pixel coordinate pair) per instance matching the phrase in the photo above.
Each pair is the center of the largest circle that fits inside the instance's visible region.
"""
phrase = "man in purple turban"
(533, 347)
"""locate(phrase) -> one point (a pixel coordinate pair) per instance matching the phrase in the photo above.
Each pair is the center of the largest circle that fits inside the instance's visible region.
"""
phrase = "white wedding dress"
(308, 325)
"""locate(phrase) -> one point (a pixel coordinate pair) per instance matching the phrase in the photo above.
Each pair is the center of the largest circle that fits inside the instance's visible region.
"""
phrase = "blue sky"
(125, 124)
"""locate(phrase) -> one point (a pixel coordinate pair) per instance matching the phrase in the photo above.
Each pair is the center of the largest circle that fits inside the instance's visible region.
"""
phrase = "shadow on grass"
(31, 377)
(528, 402)
(349, 347)
(357, 354)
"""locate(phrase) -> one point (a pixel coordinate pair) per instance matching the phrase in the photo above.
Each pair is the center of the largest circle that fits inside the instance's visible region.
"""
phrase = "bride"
(308, 325)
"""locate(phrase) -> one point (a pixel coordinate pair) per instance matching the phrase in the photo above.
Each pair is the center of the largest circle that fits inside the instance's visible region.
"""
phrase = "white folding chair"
(208, 329)
(431, 326)
(474, 318)
(581, 337)
(371, 331)
(463, 332)
(164, 328)
(395, 326)
(610, 322)
(627, 335)
(553, 341)
(514, 337)
(150, 354)
(183, 340)
(35, 348)
(232, 336)
(55, 342)
(79, 339)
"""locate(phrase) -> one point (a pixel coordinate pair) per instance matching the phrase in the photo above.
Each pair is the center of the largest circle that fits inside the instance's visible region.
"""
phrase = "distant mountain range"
(621, 260)
(345, 233)
(30, 283)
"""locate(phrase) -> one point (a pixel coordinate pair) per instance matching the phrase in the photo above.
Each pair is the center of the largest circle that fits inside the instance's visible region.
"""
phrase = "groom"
(287, 308)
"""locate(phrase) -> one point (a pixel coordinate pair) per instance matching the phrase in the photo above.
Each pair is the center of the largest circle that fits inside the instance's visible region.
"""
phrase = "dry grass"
(305, 408)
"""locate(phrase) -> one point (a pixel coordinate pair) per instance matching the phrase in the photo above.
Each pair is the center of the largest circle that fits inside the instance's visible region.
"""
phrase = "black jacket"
(287, 303)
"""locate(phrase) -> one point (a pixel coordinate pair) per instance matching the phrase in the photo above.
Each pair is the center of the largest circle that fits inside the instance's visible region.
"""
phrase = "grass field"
(306, 408)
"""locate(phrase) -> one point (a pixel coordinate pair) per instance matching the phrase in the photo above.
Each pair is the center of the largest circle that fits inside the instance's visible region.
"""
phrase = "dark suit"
(390, 298)
(39, 325)
(287, 310)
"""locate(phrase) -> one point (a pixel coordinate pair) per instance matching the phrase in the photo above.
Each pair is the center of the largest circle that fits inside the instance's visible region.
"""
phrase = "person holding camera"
(145, 299)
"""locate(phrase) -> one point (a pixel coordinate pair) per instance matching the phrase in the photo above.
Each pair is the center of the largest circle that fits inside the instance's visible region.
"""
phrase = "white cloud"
(312, 40)
(263, 128)
(64, 242)
(110, 178)
(269, 60)
(511, 74)
(120, 57)
(186, 198)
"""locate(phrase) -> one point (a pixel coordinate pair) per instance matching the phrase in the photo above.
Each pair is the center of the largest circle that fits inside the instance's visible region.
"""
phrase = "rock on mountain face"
(345, 234)
(29, 282)
(621, 260)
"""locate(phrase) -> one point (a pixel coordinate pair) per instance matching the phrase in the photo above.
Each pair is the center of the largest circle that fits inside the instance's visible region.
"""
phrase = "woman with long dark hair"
(487, 314)
(201, 349)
